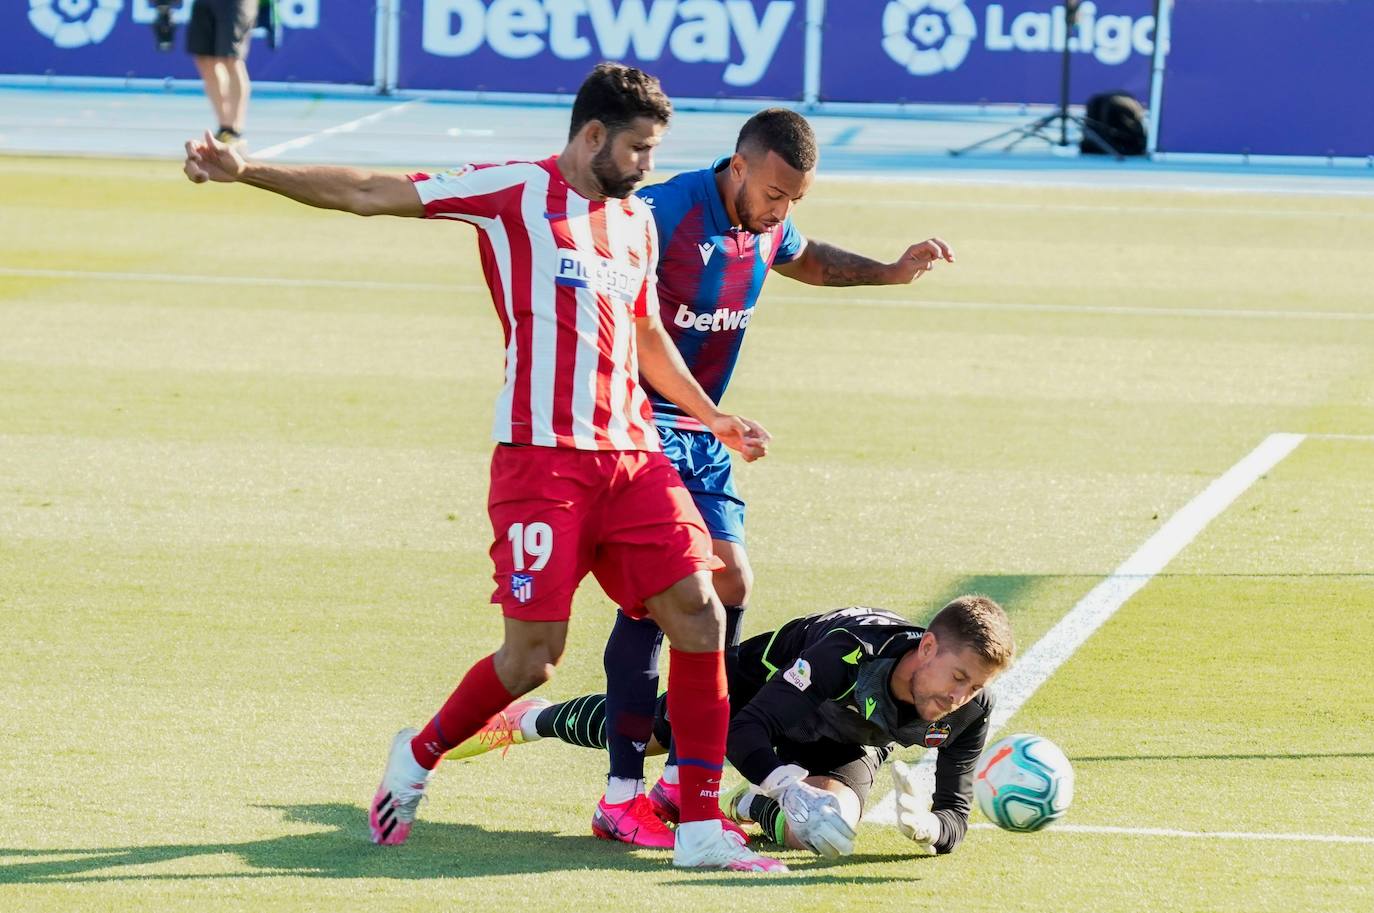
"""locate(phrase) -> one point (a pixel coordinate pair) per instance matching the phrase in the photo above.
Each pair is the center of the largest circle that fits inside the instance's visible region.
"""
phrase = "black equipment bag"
(1120, 120)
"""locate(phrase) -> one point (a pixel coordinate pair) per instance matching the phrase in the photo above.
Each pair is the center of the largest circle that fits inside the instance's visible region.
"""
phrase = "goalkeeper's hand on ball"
(914, 818)
(814, 814)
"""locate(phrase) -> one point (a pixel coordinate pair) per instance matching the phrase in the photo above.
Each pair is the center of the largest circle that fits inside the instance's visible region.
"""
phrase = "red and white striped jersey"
(568, 276)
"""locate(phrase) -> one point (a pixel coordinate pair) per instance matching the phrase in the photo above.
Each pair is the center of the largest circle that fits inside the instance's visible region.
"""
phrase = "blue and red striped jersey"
(710, 274)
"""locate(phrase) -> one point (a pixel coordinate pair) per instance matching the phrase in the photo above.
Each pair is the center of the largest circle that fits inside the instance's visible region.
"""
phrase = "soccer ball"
(1023, 783)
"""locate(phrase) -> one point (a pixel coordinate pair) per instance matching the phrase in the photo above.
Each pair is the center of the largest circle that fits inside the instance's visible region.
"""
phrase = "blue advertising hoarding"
(698, 48)
(1280, 77)
(321, 42)
(975, 51)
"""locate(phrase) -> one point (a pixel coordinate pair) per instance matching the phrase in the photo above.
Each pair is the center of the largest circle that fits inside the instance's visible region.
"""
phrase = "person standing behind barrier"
(218, 37)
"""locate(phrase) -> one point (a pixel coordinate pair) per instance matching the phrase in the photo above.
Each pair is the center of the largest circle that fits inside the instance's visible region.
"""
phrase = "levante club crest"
(936, 734)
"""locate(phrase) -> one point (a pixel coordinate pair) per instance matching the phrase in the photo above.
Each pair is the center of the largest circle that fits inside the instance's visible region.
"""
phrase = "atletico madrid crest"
(522, 587)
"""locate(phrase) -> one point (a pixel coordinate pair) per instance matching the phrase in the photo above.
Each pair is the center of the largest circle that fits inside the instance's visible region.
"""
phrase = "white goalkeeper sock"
(744, 804)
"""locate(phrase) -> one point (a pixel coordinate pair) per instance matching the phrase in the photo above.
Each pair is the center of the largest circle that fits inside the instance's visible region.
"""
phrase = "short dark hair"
(782, 131)
(979, 623)
(615, 95)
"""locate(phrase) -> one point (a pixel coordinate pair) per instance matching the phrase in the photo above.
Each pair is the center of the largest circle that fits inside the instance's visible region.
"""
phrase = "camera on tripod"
(164, 29)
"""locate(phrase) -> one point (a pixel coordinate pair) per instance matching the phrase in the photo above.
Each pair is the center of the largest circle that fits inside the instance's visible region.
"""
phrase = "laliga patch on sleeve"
(799, 675)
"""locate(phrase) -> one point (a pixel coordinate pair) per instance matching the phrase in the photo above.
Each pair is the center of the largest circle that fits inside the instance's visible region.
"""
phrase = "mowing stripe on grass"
(192, 279)
(923, 304)
(1112, 310)
(1037, 664)
(1199, 835)
(301, 142)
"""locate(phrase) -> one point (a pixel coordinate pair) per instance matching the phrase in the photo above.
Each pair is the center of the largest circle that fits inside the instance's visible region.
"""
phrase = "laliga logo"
(933, 36)
(928, 36)
(75, 23)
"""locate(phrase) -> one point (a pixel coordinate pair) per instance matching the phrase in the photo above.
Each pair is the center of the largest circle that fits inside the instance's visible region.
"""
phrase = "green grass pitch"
(242, 541)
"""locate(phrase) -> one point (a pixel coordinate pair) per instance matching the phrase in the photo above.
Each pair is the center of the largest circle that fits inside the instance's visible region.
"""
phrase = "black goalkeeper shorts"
(221, 28)
(856, 766)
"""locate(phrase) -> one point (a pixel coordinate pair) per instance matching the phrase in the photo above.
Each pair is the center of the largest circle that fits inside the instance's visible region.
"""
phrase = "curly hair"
(615, 95)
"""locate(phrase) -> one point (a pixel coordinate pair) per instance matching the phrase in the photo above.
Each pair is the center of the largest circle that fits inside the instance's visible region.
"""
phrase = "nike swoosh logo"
(869, 706)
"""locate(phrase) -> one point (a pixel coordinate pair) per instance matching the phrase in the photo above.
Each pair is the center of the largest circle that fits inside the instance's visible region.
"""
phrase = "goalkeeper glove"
(914, 817)
(814, 814)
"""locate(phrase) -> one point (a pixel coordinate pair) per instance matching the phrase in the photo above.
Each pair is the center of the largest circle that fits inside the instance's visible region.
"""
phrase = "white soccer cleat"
(707, 845)
(392, 811)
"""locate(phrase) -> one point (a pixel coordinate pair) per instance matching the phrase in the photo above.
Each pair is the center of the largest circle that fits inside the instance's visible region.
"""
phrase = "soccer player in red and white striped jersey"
(564, 273)
(578, 481)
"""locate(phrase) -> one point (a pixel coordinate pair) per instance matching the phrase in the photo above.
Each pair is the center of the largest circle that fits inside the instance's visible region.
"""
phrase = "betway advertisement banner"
(1308, 90)
(974, 51)
(698, 48)
(322, 41)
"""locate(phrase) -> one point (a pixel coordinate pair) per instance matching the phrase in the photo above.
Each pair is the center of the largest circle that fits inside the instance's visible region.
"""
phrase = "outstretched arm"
(364, 193)
(825, 264)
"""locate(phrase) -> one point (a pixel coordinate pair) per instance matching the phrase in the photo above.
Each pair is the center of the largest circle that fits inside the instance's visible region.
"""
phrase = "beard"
(747, 219)
(613, 183)
(931, 704)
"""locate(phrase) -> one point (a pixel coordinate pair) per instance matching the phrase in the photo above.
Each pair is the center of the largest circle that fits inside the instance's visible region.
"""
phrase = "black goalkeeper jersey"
(825, 677)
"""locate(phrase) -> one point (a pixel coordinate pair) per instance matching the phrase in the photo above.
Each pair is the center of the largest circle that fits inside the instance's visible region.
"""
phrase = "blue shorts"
(704, 464)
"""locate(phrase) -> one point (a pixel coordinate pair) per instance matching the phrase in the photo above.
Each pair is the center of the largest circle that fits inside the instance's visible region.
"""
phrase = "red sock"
(700, 711)
(479, 695)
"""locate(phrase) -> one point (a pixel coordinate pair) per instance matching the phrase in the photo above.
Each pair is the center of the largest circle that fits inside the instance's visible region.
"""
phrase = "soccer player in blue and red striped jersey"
(721, 230)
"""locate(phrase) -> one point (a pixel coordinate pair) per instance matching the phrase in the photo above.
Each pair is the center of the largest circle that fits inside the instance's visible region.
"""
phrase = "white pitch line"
(1107, 209)
(1037, 664)
(1366, 438)
(1352, 184)
(1196, 835)
(301, 142)
(915, 304)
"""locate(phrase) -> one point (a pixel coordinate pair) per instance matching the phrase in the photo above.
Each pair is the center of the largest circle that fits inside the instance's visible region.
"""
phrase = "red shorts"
(559, 513)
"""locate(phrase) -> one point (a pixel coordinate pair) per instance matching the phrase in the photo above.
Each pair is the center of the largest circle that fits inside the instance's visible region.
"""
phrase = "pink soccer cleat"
(392, 811)
(632, 822)
(666, 798)
(501, 731)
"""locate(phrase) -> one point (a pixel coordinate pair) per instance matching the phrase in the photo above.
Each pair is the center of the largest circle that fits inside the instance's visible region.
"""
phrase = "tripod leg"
(1043, 128)
(986, 141)
(1018, 135)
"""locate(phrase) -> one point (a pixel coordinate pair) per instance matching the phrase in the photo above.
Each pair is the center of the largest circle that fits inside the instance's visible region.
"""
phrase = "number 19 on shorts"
(530, 540)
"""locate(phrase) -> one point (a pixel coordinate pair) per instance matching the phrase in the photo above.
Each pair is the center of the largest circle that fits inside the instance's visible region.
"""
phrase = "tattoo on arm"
(841, 267)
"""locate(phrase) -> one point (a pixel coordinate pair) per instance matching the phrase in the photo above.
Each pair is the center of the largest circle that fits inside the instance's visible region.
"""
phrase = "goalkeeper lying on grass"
(816, 707)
